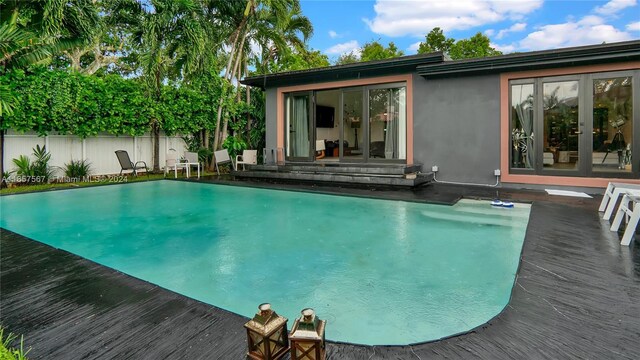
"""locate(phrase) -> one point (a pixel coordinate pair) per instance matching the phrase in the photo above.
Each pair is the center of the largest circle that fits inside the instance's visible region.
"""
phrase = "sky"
(512, 25)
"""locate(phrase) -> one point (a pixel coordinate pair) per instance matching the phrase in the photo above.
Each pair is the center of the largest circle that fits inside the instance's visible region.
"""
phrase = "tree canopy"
(476, 46)
(372, 50)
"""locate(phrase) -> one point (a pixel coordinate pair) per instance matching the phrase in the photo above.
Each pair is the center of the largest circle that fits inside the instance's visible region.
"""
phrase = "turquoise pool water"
(381, 272)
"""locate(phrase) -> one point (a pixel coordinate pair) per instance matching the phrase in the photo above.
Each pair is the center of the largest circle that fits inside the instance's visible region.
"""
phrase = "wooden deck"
(577, 296)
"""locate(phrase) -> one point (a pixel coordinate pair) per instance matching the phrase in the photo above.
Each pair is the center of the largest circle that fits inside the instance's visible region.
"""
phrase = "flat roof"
(439, 65)
(403, 64)
(573, 56)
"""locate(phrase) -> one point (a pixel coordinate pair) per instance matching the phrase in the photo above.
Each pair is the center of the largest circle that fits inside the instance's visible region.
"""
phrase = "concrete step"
(353, 178)
(392, 169)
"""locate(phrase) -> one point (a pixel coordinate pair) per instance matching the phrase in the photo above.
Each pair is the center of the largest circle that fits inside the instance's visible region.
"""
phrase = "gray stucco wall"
(457, 127)
(271, 118)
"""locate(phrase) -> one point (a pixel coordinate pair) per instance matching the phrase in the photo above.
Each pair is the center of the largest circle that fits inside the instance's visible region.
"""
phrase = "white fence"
(99, 150)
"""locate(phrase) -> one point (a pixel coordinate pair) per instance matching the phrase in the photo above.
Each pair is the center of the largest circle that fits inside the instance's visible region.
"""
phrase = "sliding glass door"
(372, 124)
(352, 147)
(613, 125)
(300, 126)
(561, 125)
(387, 123)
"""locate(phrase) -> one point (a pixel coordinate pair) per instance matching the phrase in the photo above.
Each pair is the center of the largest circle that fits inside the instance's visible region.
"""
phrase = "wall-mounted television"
(325, 116)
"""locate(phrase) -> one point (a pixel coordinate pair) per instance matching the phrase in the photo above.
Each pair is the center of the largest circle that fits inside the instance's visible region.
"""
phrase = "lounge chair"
(249, 157)
(127, 165)
(629, 207)
(613, 193)
(222, 157)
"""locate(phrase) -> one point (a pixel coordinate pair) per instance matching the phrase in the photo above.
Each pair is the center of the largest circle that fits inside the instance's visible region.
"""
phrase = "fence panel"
(99, 150)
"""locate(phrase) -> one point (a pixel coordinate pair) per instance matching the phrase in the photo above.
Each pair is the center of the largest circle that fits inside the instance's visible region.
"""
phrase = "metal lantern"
(307, 337)
(267, 334)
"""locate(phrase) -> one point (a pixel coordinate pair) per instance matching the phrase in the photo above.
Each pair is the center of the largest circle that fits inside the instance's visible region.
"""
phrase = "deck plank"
(577, 295)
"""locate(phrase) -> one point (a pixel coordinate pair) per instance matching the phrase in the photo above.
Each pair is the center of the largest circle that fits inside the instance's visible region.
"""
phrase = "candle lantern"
(307, 337)
(267, 334)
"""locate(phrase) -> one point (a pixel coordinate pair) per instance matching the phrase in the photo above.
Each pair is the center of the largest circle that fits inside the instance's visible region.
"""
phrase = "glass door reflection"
(561, 136)
(612, 125)
(351, 147)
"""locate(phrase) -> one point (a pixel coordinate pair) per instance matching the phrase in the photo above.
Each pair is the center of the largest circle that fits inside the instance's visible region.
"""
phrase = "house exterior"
(558, 117)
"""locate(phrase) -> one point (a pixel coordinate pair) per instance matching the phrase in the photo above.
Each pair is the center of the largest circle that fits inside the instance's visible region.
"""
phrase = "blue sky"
(512, 25)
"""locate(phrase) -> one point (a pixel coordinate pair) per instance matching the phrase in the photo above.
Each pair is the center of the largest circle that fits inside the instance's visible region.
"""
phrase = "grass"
(70, 185)
(9, 353)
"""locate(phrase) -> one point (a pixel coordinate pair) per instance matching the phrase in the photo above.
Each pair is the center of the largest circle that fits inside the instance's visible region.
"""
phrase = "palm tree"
(172, 38)
(275, 23)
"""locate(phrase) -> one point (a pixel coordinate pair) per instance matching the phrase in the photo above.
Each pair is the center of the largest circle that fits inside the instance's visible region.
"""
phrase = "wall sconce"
(267, 334)
(307, 337)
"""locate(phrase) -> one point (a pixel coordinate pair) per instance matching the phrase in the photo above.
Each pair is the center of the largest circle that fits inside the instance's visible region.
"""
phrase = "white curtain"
(402, 124)
(395, 126)
(391, 127)
(300, 141)
(524, 111)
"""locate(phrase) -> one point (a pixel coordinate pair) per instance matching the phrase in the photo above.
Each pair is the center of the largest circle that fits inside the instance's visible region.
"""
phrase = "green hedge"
(60, 102)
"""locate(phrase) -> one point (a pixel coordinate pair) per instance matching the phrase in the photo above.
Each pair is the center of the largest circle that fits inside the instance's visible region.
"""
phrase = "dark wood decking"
(577, 295)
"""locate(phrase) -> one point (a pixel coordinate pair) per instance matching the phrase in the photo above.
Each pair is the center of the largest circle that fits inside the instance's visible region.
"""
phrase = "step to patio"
(393, 176)
(391, 169)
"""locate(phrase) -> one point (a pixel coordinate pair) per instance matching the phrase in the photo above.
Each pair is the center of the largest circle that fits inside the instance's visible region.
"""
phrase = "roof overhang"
(401, 65)
(584, 55)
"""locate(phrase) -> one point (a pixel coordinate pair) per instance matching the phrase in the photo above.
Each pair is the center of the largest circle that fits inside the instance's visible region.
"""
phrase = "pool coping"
(464, 336)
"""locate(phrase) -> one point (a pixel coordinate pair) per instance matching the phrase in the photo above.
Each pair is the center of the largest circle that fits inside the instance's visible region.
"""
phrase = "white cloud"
(333, 34)
(417, 18)
(634, 26)
(514, 28)
(489, 32)
(414, 47)
(586, 31)
(614, 6)
(344, 48)
(505, 49)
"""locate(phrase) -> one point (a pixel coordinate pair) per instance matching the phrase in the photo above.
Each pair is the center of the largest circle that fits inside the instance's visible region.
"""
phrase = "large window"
(372, 126)
(580, 125)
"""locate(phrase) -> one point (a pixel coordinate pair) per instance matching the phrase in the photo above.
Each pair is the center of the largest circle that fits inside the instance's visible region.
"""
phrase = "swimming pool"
(381, 272)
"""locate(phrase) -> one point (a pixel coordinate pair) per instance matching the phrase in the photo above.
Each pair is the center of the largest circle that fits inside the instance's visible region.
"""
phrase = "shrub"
(6, 352)
(34, 171)
(77, 169)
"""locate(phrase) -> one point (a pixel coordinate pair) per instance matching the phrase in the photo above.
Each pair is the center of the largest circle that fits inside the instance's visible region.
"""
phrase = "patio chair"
(171, 162)
(127, 165)
(630, 209)
(222, 157)
(320, 149)
(614, 191)
(249, 157)
(191, 159)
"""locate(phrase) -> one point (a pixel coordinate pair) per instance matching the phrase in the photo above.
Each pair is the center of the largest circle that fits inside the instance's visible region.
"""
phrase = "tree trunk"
(155, 128)
(248, 93)
(227, 71)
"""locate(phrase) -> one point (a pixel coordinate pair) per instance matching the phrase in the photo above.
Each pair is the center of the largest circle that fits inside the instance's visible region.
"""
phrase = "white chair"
(222, 157)
(320, 148)
(171, 162)
(629, 207)
(613, 193)
(191, 159)
(249, 157)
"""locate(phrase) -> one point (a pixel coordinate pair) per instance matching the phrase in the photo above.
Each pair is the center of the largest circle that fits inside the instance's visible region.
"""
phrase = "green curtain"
(300, 124)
